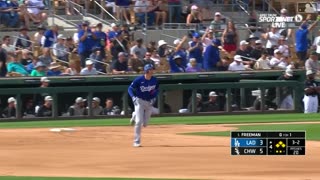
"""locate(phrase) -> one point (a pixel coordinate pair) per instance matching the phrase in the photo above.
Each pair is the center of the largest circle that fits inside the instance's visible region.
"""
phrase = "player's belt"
(144, 99)
(312, 95)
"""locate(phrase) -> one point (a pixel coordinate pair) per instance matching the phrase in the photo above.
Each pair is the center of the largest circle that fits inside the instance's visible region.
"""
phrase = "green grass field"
(312, 129)
(226, 119)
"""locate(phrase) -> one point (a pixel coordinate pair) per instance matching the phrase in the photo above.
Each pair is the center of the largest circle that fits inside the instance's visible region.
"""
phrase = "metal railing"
(104, 10)
(271, 9)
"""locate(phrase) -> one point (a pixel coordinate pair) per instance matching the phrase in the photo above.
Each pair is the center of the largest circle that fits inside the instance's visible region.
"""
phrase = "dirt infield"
(108, 152)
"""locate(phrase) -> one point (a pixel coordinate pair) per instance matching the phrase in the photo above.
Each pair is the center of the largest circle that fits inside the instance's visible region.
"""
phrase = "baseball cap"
(44, 79)
(176, 42)
(11, 99)
(48, 98)
(85, 23)
(148, 67)
(199, 95)
(258, 41)
(161, 43)
(196, 35)
(283, 11)
(61, 36)
(309, 72)
(313, 53)
(217, 14)
(80, 100)
(216, 42)
(96, 99)
(243, 42)
(289, 72)
(114, 25)
(193, 60)
(212, 93)
(237, 58)
(277, 51)
(177, 57)
(89, 62)
(194, 7)
(39, 64)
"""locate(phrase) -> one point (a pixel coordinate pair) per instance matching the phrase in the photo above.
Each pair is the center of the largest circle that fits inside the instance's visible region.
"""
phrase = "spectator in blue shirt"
(196, 49)
(51, 36)
(114, 32)
(212, 56)
(8, 14)
(54, 69)
(302, 38)
(87, 40)
(30, 67)
(101, 39)
(176, 65)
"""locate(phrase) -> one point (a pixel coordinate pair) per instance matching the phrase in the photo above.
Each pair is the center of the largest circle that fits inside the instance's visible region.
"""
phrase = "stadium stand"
(111, 37)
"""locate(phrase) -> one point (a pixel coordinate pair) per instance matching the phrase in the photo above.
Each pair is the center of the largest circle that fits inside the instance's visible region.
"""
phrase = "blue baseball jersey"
(143, 88)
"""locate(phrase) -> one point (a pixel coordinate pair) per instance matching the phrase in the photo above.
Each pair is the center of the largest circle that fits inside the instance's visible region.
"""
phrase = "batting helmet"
(148, 67)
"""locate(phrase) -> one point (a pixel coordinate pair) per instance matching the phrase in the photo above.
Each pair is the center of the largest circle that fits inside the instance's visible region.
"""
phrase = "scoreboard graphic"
(268, 143)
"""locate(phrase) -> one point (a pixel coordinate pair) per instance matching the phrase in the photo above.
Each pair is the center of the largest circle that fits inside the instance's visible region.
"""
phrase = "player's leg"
(307, 106)
(316, 104)
(133, 118)
(147, 113)
(138, 123)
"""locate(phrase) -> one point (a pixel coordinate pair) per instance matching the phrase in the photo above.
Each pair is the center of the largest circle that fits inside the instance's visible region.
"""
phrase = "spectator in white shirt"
(285, 62)
(263, 62)
(6, 45)
(207, 38)
(89, 69)
(59, 49)
(276, 59)
(38, 36)
(34, 8)
(272, 38)
(237, 64)
(283, 48)
(316, 44)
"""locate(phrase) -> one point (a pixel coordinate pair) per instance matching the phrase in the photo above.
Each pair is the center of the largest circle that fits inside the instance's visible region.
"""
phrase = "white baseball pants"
(143, 111)
(310, 104)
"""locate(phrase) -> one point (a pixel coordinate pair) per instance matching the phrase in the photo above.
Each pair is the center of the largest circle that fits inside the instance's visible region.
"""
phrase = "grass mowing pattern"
(167, 120)
(312, 130)
(71, 178)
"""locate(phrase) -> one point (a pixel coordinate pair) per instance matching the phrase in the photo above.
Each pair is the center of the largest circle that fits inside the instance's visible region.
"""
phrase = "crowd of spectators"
(115, 52)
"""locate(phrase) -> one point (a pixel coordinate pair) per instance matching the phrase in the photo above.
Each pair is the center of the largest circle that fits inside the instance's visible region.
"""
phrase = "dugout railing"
(63, 87)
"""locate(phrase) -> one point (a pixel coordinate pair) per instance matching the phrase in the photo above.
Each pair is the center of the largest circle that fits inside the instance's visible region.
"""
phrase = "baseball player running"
(143, 91)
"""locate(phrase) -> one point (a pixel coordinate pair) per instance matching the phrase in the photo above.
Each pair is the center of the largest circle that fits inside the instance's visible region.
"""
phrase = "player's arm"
(132, 88)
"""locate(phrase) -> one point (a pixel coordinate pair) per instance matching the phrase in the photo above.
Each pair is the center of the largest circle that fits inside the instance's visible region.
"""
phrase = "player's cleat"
(136, 145)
